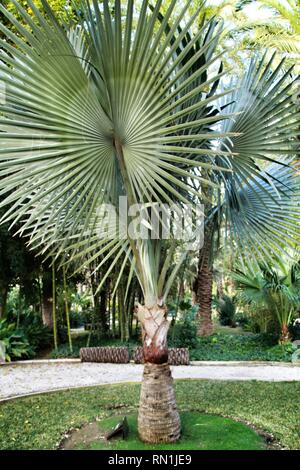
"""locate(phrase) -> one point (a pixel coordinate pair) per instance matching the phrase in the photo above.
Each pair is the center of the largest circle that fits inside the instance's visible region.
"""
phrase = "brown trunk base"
(113, 355)
(203, 289)
(158, 419)
(285, 336)
(204, 325)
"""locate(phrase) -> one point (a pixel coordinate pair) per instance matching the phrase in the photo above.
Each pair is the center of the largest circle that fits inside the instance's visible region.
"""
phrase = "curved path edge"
(17, 381)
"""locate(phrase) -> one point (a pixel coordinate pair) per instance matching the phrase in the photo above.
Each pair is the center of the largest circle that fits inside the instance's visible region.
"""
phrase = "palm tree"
(257, 200)
(282, 31)
(276, 291)
(276, 26)
(94, 113)
(113, 108)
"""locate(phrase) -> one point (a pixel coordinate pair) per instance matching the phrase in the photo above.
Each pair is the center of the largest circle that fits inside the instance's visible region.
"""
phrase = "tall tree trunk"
(67, 310)
(103, 311)
(158, 419)
(108, 321)
(47, 301)
(285, 336)
(47, 311)
(121, 315)
(129, 307)
(203, 287)
(229, 282)
(220, 288)
(54, 306)
(113, 319)
(3, 300)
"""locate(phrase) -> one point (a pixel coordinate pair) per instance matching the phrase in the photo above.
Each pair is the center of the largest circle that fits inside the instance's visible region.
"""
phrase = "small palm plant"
(276, 291)
(256, 210)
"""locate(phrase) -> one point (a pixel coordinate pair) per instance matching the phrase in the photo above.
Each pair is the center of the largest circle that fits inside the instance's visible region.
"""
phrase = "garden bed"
(221, 346)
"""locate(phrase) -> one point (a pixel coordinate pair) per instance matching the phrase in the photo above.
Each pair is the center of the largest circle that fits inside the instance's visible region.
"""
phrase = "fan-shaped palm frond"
(277, 291)
(261, 203)
(99, 112)
(264, 220)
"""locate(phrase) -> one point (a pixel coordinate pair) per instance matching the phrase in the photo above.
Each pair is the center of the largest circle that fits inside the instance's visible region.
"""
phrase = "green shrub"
(63, 350)
(76, 319)
(15, 342)
(24, 335)
(183, 333)
(38, 335)
(295, 329)
(271, 294)
(246, 347)
(226, 309)
(242, 319)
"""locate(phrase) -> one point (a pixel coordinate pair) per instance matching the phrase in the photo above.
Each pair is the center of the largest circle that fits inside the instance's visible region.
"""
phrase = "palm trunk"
(203, 288)
(158, 419)
(285, 336)
(3, 300)
(121, 315)
(47, 307)
(47, 301)
(103, 310)
(67, 310)
(113, 320)
(54, 306)
(220, 288)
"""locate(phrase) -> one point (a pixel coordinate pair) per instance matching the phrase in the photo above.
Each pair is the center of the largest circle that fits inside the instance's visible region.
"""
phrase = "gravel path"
(18, 380)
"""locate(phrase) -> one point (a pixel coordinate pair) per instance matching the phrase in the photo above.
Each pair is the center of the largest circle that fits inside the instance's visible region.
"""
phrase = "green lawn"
(199, 432)
(38, 422)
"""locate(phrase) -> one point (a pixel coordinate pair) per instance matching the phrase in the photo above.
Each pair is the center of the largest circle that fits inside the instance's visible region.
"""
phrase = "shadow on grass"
(199, 431)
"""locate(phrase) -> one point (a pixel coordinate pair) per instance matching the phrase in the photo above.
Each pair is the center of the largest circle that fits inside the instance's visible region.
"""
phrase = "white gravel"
(31, 378)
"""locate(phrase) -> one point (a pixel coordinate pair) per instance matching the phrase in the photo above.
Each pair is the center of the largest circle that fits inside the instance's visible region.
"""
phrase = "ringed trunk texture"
(47, 300)
(285, 336)
(158, 418)
(47, 307)
(203, 290)
(3, 301)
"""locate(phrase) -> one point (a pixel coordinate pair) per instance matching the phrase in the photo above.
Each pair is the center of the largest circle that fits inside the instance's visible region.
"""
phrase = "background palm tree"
(255, 197)
(276, 291)
(282, 30)
(251, 25)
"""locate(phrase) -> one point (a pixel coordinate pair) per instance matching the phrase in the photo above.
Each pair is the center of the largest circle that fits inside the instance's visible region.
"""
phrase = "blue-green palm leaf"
(98, 112)
(260, 200)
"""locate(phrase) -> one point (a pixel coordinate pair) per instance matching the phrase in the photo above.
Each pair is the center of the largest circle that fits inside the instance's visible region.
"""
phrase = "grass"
(38, 422)
(199, 432)
(227, 330)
